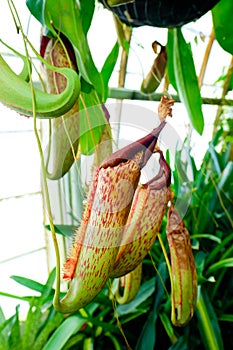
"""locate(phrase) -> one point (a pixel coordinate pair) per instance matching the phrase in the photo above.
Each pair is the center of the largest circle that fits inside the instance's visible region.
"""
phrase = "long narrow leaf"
(69, 327)
(108, 67)
(14, 337)
(213, 254)
(170, 62)
(74, 341)
(146, 290)
(181, 344)
(48, 287)
(87, 11)
(2, 316)
(27, 282)
(207, 236)
(92, 121)
(186, 80)
(13, 296)
(167, 324)
(4, 335)
(47, 330)
(220, 264)
(147, 337)
(208, 323)
(226, 318)
(32, 323)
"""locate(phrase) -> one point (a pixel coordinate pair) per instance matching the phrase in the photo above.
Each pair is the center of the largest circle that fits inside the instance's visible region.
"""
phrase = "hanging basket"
(161, 13)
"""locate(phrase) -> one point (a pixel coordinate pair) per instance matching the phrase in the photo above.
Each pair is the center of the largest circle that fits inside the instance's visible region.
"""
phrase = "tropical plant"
(73, 100)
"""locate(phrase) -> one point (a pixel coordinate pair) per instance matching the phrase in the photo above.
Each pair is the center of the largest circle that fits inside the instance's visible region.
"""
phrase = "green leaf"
(181, 344)
(204, 217)
(167, 324)
(87, 11)
(220, 247)
(2, 316)
(114, 340)
(220, 264)
(208, 323)
(108, 67)
(15, 337)
(64, 230)
(32, 323)
(145, 291)
(13, 296)
(214, 158)
(92, 121)
(133, 316)
(36, 9)
(69, 327)
(29, 283)
(40, 322)
(66, 17)
(147, 337)
(170, 61)
(230, 87)
(48, 287)
(4, 334)
(186, 79)
(207, 236)
(45, 290)
(223, 185)
(105, 325)
(200, 261)
(222, 22)
(49, 327)
(74, 341)
(88, 344)
(226, 318)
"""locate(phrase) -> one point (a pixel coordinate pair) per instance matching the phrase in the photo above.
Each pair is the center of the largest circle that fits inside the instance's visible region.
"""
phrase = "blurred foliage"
(145, 321)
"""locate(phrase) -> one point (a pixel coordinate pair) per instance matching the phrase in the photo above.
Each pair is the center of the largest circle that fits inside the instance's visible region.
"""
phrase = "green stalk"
(114, 340)
(88, 344)
(168, 327)
(47, 198)
(166, 258)
(205, 325)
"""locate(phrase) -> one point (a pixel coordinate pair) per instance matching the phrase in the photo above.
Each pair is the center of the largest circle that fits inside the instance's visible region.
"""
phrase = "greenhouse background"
(26, 249)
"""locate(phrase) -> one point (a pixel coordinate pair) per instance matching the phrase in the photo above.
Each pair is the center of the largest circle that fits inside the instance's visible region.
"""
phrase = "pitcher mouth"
(140, 151)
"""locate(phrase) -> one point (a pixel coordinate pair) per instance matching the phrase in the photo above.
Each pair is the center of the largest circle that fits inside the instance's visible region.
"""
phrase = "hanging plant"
(159, 13)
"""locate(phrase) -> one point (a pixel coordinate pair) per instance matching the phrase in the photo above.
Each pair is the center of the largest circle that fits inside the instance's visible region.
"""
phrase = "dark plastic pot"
(161, 13)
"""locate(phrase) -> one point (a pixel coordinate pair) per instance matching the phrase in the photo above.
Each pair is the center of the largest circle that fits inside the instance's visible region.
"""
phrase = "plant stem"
(206, 57)
(167, 262)
(130, 94)
(224, 92)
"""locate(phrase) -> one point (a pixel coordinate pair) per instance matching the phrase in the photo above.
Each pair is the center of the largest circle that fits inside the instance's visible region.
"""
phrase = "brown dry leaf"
(164, 108)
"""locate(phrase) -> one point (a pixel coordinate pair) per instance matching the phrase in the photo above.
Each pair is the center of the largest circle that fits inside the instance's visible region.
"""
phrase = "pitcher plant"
(122, 217)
